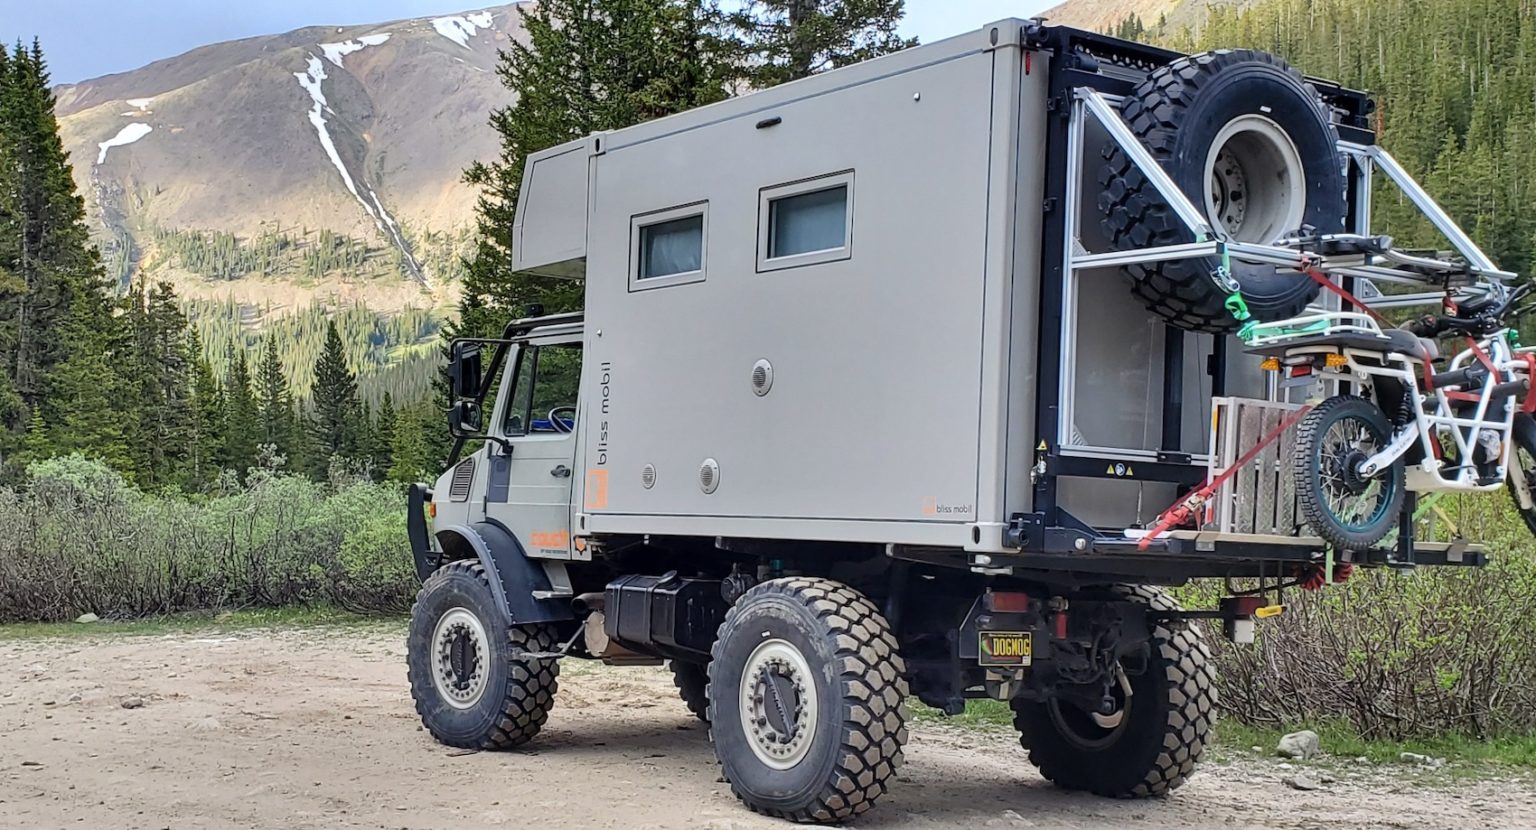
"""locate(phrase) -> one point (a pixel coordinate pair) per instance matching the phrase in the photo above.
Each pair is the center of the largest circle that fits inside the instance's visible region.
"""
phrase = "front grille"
(463, 479)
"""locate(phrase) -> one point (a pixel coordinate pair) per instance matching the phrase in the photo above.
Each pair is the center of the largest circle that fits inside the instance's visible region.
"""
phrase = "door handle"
(561, 471)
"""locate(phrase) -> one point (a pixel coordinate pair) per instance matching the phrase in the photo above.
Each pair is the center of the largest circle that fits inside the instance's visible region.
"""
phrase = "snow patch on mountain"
(334, 52)
(313, 82)
(127, 135)
(141, 104)
(460, 28)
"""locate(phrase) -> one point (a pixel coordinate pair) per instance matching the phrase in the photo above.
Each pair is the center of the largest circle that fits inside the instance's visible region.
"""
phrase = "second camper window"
(806, 223)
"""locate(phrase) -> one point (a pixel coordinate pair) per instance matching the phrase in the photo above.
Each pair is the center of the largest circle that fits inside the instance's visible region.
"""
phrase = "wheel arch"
(513, 576)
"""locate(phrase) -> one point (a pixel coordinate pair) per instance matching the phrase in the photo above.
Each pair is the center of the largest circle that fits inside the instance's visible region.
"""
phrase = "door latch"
(561, 471)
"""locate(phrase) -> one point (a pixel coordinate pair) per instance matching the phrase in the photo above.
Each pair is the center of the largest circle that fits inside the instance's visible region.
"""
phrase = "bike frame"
(1365, 365)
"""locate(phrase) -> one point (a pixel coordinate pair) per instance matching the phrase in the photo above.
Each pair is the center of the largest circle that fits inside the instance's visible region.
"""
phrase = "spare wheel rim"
(460, 658)
(1255, 183)
(779, 704)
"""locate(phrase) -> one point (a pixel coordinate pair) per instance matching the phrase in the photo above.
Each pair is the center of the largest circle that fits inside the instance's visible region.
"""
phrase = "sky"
(89, 38)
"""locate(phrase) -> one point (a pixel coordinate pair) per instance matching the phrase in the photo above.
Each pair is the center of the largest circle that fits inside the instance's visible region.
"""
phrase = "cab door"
(531, 467)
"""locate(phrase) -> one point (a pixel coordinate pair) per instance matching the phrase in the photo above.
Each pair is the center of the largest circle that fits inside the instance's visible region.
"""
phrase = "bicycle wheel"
(1348, 510)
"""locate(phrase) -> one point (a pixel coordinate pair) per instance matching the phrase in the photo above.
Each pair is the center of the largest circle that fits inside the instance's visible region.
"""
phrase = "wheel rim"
(779, 704)
(1090, 730)
(1355, 503)
(460, 658)
(1255, 183)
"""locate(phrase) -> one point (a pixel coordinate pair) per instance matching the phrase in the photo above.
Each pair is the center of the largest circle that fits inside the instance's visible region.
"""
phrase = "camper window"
(806, 223)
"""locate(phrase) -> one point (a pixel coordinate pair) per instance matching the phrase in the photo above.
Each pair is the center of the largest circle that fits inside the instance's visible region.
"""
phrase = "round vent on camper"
(762, 377)
(648, 476)
(709, 475)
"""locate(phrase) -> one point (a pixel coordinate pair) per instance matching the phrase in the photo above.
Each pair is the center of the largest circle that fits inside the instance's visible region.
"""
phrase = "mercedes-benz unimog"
(917, 378)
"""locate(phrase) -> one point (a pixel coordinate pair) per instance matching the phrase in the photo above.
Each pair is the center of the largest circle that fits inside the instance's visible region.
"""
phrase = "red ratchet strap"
(1191, 504)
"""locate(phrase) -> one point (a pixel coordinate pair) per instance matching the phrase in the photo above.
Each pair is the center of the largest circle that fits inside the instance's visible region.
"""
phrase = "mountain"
(1105, 15)
(278, 170)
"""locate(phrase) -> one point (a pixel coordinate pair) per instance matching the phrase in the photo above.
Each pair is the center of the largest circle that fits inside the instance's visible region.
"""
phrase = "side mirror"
(464, 418)
(464, 370)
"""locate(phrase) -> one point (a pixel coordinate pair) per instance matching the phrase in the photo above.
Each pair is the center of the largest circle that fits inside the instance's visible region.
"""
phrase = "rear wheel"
(806, 700)
(1152, 741)
(692, 682)
(472, 687)
(1349, 510)
(1522, 469)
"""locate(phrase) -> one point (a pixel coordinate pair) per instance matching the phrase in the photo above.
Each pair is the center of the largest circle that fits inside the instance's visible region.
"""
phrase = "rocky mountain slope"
(1101, 15)
(303, 158)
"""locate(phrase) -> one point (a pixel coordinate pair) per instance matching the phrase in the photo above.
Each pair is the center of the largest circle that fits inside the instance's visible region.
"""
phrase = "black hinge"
(1050, 205)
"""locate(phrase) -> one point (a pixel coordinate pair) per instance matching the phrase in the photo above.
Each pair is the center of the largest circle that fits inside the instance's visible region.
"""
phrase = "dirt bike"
(1407, 426)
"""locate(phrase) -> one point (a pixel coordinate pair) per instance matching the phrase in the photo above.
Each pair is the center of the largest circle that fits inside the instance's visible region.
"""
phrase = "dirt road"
(314, 729)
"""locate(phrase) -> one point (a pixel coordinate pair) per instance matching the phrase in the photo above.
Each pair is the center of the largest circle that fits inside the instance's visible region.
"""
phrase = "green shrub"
(1399, 654)
(78, 538)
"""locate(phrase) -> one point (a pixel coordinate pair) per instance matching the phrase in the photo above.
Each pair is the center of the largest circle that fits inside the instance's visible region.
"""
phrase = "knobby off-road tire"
(1522, 469)
(692, 682)
(471, 690)
(1164, 729)
(1232, 128)
(1325, 480)
(806, 700)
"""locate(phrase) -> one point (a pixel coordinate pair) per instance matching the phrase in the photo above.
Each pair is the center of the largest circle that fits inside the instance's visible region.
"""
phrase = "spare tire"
(1251, 144)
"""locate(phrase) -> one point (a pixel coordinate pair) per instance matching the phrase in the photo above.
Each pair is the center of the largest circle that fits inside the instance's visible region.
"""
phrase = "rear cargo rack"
(1088, 92)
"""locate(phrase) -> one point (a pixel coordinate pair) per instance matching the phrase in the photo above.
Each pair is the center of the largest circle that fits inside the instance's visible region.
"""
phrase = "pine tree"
(588, 65)
(205, 442)
(785, 40)
(274, 402)
(241, 429)
(383, 437)
(49, 271)
(155, 375)
(412, 454)
(337, 408)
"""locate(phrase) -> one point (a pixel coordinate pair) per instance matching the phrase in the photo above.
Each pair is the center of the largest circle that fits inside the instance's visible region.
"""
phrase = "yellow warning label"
(1120, 470)
(1042, 447)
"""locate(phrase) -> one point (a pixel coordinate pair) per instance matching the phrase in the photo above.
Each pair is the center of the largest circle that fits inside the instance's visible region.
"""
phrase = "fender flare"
(513, 576)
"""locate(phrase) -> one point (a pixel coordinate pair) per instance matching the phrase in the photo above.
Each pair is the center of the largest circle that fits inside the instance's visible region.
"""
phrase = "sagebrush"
(78, 538)
(1397, 655)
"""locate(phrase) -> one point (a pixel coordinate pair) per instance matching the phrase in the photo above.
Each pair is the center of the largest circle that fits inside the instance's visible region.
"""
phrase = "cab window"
(544, 387)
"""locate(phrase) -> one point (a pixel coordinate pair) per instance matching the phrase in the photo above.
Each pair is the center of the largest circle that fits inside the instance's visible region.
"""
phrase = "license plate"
(1006, 648)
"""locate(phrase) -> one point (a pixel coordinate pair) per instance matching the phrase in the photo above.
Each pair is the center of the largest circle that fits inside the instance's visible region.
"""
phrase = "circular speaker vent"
(762, 377)
(648, 476)
(709, 475)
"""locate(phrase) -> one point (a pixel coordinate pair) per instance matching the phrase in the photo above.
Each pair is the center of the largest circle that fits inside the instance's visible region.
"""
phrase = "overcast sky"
(88, 38)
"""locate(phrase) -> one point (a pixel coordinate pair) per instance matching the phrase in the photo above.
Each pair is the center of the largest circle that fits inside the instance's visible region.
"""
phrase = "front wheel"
(1348, 510)
(472, 685)
(1522, 471)
(806, 700)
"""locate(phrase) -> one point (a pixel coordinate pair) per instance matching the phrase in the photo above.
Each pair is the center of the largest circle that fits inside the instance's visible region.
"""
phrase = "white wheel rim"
(1255, 182)
(460, 658)
(779, 704)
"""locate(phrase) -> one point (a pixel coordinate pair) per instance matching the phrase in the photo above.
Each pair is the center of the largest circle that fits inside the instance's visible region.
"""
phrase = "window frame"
(768, 195)
(640, 221)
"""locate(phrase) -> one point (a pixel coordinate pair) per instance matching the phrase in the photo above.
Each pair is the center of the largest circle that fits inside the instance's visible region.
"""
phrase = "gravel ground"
(315, 729)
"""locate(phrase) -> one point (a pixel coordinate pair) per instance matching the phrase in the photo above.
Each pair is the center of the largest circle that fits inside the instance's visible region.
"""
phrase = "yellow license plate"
(1005, 648)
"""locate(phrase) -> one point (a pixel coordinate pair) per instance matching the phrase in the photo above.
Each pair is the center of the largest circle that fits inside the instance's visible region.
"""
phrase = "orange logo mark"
(930, 506)
(597, 489)
(551, 540)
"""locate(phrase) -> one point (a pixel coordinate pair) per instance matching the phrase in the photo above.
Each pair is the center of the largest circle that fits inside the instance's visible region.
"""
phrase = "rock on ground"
(1304, 745)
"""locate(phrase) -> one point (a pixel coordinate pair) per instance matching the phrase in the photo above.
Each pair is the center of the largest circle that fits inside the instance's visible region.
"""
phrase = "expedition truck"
(898, 381)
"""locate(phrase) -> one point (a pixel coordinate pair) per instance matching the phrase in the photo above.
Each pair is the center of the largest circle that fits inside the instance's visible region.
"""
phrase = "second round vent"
(648, 476)
(709, 475)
